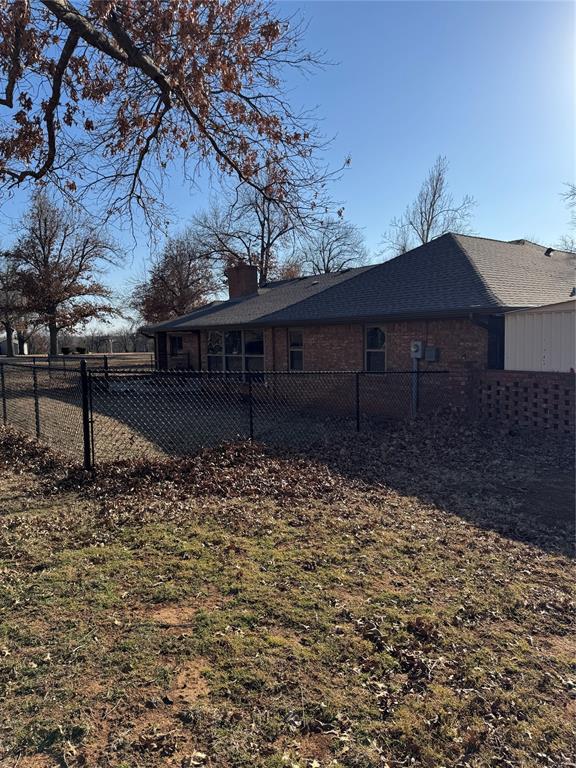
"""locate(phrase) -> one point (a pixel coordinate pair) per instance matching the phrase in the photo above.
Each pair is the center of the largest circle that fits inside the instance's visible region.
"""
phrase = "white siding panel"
(543, 339)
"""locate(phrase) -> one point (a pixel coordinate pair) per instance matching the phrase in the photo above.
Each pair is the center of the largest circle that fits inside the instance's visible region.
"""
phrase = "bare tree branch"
(216, 69)
(433, 213)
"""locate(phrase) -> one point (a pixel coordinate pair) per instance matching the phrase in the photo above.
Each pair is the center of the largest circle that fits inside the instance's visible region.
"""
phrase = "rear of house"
(443, 304)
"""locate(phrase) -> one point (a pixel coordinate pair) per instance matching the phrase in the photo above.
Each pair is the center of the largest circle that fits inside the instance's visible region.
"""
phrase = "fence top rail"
(119, 371)
(35, 366)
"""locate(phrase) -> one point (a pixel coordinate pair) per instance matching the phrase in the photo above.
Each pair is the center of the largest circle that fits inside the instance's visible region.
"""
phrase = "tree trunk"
(9, 340)
(53, 331)
(21, 344)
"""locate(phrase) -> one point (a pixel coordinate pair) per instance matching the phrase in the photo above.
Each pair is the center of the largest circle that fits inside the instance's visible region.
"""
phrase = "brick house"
(450, 294)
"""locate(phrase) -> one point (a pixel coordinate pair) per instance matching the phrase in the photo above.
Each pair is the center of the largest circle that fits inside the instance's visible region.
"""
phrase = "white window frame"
(242, 356)
(292, 348)
(368, 349)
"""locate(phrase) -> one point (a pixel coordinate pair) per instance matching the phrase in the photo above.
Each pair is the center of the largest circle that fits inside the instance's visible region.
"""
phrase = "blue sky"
(489, 84)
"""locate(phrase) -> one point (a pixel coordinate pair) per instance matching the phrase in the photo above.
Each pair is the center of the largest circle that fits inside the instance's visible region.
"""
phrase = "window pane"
(296, 360)
(215, 362)
(254, 363)
(215, 343)
(253, 342)
(375, 362)
(296, 339)
(375, 338)
(233, 342)
(234, 363)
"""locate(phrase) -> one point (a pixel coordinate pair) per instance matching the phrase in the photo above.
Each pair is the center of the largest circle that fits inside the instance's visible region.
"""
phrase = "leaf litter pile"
(395, 600)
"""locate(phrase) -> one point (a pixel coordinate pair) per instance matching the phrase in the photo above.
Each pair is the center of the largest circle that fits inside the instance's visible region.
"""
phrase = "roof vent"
(314, 282)
(548, 251)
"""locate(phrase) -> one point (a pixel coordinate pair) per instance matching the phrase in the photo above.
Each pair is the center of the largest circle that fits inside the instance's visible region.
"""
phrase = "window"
(215, 351)
(176, 345)
(236, 351)
(296, 350)
(375, 349)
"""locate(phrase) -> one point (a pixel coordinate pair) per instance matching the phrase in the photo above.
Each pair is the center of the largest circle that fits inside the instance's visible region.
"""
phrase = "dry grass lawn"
(398, 603)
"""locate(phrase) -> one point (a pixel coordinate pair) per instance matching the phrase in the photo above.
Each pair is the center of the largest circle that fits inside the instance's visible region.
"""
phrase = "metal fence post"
(357, 401)
(250, 405)
(3, 388)
(85, 415)
(91, 410)
(36, 403)
(414, 388)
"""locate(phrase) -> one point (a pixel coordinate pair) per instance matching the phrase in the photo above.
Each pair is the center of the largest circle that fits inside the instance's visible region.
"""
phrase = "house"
(451, 295)
(542, 338)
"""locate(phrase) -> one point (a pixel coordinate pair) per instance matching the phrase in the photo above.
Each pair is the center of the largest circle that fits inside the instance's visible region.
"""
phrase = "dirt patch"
(174, 616)
(190, 683)
(182, 615)
(93, 688)
(315, 746)
(30, 761)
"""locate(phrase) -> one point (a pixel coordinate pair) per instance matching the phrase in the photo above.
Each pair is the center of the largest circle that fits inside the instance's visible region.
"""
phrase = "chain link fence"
(72, 362)
(106, 414)
(44, 403)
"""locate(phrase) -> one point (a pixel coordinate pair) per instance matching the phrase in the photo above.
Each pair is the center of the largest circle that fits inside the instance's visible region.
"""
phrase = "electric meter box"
(417, 350)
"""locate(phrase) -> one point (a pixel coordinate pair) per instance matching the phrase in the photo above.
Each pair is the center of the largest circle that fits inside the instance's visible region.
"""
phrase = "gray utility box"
(432, 354)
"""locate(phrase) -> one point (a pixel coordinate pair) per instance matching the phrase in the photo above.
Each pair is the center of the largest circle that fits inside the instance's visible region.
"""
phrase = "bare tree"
(249, 228)
(433, 213)
(568, 242)
(101, 97)
(570, 197)
(179, 280)
(57, 259)
(95, 341)
(333, 245)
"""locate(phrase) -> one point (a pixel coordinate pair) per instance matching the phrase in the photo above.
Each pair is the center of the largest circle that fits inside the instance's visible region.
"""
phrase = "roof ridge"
(519, 241)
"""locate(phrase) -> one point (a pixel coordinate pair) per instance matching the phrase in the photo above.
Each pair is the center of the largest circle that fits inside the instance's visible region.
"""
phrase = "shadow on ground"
(518, 484)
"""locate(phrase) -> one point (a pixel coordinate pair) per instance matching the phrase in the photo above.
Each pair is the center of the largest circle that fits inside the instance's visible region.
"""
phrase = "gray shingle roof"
(450, 275)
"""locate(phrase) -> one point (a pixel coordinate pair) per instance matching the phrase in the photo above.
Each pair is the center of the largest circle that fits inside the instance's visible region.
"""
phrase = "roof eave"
(271, 322)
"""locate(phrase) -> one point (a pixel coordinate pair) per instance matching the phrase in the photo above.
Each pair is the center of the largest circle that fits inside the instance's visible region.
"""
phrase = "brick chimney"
(242, 280)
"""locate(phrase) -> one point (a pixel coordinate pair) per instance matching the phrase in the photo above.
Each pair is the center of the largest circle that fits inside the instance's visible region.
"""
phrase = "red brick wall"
(341, 347)
(530, 399)
(189, 350)
(462, 345)
(326, 348)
